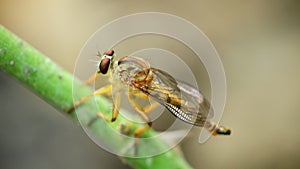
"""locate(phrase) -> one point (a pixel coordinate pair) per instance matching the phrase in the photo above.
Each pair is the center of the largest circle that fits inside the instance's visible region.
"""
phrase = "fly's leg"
(115, 109)
(147, 108)
(92, 78)
(144, 116)
(137, 108)
(99, 114)
(137, 134)
(116, 105)
(139, 94)
(150, 107)
(103, 90)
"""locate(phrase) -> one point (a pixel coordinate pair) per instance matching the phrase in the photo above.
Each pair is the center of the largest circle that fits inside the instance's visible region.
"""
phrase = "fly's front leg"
(103, 90)
(92, 78)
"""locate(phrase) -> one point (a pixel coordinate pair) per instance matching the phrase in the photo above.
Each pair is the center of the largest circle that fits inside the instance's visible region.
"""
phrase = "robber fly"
(143, 81)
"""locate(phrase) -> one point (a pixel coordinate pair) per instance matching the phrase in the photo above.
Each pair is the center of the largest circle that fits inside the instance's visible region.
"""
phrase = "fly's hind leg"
(144, 116)
(147, 108)
(150, 107)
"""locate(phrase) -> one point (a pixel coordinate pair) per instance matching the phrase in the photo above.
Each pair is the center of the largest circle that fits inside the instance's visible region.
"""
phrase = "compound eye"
(104, 65)
(109, 52)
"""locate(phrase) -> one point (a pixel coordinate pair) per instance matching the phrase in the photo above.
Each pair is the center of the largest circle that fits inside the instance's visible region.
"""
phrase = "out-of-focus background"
(258, 42)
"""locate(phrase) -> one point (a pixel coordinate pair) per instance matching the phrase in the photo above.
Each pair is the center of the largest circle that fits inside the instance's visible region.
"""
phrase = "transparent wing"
(181, 99)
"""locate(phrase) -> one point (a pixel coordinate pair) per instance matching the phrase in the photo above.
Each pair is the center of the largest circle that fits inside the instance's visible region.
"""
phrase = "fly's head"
(106, 61)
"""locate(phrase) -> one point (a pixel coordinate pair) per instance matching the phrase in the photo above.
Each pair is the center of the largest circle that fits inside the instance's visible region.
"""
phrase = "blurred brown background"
(258, 42)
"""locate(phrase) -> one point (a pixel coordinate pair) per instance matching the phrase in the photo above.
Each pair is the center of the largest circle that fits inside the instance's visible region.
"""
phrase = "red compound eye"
(104, 65)
(110, 52)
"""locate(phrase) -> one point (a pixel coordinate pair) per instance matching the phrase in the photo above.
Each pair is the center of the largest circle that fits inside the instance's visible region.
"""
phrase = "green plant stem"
(54, 85)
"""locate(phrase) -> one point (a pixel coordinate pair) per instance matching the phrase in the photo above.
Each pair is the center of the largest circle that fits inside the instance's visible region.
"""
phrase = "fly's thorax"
(130, 69)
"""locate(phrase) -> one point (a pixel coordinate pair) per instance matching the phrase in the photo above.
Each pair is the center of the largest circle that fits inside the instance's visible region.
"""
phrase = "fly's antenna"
(98, 51)
(99, 54)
